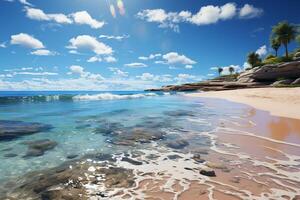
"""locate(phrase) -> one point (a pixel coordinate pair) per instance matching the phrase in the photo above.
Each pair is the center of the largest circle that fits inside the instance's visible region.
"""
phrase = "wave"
(74, 97)
(109, 96)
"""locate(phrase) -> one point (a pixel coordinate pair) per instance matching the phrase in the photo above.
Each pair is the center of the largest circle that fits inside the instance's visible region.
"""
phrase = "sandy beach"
(283, 102)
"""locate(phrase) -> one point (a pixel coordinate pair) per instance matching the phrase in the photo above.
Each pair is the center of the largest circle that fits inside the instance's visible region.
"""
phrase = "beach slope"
(284, 102)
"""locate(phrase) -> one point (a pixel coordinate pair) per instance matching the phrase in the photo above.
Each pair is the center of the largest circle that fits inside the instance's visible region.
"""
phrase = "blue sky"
(130, 44)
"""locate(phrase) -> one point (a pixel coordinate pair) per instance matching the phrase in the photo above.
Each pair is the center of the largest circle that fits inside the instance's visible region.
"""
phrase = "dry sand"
(284, 102)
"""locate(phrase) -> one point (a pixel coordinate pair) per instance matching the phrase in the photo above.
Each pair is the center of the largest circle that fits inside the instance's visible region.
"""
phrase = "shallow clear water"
(75, 121)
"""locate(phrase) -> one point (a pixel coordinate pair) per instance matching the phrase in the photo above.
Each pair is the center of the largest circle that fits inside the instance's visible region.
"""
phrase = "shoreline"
(282, 102)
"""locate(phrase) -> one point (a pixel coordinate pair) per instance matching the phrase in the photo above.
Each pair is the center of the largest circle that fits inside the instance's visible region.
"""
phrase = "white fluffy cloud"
(262, 51)
(90, 43)
(110, 59)
(249, 11)
(76, 69)
(212, 14)
(3, 45)
(156, 78)
(43, 52)
(25, 2)
(135, 65)
(209, 14)
(26, 40)
(173, 58)
(119, 37)
(150, 57)
(118, 72)
(40, 15)
(83, 17)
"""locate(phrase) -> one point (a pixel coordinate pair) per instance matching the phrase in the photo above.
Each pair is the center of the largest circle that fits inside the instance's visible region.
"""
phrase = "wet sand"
(284, 102)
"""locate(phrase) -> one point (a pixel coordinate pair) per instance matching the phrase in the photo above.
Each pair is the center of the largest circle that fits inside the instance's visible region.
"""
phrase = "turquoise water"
(78, 118)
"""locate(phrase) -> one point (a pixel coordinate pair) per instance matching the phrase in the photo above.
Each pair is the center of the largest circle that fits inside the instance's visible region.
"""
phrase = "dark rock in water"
(179, 113)
(72, 156)
(7, 149)
(137, 135)
(13, 129)
(83, 126)
(38, 147)
(10, 155)
(131, 161)
(174, 157)
(187, 168)
(109, 128)
(104, 157)
(210, 173)
(178, 144)
(198, 158)
(67, 183)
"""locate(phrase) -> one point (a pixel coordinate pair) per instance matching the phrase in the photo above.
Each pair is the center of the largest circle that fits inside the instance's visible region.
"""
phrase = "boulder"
(210, 173)
(282, 82)
(296, 82)
(269, 72)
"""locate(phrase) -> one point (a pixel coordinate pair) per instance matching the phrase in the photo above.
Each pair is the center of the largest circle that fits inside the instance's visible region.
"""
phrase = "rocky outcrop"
(211, 85)
(271, 73)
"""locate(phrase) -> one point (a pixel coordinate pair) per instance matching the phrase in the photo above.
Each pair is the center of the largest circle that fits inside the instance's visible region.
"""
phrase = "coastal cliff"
(275, 75)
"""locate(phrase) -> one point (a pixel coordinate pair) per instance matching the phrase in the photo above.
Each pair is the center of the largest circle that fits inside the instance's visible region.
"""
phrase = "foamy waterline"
(110, 96)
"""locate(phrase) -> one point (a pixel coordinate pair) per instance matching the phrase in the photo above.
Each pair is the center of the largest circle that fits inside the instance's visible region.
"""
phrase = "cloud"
(76, 69)
(135, 65)
(110, 59)
(3, 45)
(262, 51)
(83, 17)
(209, 14)
(90, 43)
(212, 14)
(249, 11)
(43, 52)
(25, 2)
(150, 57)
(119, 38)
(94, 59)
(173, 58)
(118, 72)
(38, 14)
(189, 67)
(36, 73)
(26, 40)
(155, 78)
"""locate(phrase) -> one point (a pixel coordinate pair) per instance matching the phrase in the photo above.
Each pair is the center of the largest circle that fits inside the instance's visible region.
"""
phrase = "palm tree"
(275, 43)
(253, 59)
(220, 70)
(231, 70)
(284, 33)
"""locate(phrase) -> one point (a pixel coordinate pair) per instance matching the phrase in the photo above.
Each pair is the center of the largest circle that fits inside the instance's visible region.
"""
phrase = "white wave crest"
(109, 96)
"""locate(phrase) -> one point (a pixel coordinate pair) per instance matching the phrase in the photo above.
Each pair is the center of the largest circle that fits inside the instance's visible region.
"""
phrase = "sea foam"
(109, 96)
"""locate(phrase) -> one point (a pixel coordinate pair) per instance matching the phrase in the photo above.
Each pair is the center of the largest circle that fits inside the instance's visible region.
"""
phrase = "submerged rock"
(72, 156)
(197, 158)
(71, 180)
(39, 147)
(13, 129)
(179, 113)
(131, 161)
(178, 144)
(10, 155)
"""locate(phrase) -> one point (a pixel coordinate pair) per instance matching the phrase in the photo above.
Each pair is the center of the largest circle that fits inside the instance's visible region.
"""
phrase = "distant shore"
(284, 102)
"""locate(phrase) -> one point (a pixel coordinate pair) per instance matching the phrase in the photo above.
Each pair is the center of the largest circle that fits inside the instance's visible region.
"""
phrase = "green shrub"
(274, 60)
(270, 56)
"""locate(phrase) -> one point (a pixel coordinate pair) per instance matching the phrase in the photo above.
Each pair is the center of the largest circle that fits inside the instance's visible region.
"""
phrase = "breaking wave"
(110, 96)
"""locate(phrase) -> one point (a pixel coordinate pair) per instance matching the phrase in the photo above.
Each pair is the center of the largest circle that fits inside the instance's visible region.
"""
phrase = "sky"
(108, 45)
